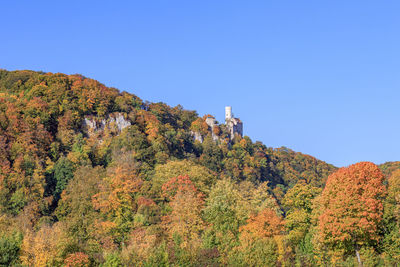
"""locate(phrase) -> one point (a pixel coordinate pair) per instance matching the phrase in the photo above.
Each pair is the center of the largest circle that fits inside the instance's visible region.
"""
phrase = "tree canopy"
(91, 176)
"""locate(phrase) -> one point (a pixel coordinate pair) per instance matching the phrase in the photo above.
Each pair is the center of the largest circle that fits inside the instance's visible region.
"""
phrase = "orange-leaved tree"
(186, 206)
(116, 198)
(78, 259)
(352, 208)
(260, 242)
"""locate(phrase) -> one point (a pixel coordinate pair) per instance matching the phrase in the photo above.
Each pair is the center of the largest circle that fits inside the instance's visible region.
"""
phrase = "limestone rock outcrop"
(115, 122)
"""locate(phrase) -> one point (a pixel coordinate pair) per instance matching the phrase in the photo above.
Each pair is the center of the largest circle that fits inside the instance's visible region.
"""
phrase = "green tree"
(223, 213)
(298, 204)
(212, 155)
(10, 245)
(75, 207)
(391, 244)
(63, 173)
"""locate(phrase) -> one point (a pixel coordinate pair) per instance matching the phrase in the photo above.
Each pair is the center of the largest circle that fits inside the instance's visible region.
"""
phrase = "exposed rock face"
(89, 124)
(115, 122)
(120, 122)
(212, 123)
(197, 136)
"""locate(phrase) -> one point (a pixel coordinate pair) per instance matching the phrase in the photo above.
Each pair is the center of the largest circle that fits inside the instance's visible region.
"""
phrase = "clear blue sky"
(320, 77)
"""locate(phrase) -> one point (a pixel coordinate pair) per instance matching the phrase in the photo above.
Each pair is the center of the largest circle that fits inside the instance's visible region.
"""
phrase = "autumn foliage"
(263, 225)
(352, 207)
(79, 187)
(78, 259)
(186, 205)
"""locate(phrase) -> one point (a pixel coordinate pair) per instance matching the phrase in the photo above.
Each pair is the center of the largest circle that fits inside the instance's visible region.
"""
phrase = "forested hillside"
(93, 176)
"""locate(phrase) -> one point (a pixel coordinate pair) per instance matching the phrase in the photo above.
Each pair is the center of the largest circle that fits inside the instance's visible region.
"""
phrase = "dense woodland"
(150, 195)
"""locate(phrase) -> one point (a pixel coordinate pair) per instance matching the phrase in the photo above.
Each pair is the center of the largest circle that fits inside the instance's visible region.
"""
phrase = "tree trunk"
(358, 258)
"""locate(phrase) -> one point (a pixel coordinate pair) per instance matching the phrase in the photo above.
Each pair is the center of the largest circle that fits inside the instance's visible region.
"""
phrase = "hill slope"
(72, 147)
(41, 120)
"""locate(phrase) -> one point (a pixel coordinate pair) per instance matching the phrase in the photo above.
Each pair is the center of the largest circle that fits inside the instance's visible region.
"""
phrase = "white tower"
(228, 113)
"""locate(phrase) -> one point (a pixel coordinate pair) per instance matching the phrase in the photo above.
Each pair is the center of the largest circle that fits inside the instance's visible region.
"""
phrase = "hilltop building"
(234, 125)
